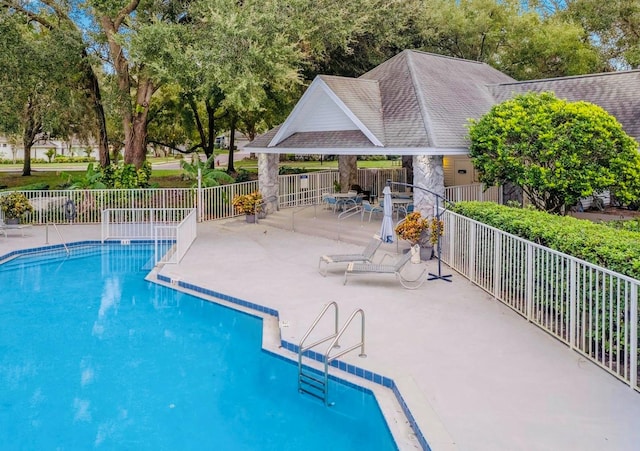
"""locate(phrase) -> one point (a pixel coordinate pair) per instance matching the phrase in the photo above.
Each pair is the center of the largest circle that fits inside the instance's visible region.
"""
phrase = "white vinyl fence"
(173, 228)
(85, 206)
(591, 309)
(473, 192)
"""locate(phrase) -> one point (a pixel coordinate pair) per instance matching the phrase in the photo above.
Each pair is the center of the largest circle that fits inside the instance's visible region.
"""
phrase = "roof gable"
(323, 109)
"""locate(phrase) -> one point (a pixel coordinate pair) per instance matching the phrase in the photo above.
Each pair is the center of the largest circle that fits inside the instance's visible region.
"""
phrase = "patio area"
(475, 374)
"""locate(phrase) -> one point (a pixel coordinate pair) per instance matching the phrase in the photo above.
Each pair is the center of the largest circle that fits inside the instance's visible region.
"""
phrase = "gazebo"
(419, 104)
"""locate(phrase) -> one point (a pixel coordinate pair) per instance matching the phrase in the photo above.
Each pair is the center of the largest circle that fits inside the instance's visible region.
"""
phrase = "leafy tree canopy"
(509, 36)
(613, 26)
(556, 151)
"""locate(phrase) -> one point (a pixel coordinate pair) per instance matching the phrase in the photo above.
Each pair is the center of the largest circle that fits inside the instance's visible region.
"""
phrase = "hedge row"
(615, 249)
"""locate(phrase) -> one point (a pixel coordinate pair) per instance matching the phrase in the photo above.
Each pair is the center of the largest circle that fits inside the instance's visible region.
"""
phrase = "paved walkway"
(474, 373)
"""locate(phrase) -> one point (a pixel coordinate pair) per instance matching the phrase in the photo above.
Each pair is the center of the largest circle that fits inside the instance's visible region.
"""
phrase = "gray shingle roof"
(453, 91)
(362, 97)
(419, 100)
(616, 92)
(324, 139)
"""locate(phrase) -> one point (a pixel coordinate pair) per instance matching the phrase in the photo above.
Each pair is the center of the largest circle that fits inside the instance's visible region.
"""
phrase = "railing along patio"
(591, 309)
(174, 228)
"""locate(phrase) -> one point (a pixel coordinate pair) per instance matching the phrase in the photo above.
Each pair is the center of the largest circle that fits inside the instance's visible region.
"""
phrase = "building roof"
(419, 103)
(616, 92)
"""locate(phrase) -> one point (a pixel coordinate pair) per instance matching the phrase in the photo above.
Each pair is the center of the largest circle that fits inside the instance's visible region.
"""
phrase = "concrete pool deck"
(475, 374)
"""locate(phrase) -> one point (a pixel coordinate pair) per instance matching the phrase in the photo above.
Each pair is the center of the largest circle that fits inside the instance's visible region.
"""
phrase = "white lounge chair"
(366, 256)
(395, 269)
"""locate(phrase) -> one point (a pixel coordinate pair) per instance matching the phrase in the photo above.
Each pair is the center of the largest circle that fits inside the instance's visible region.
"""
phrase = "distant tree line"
(130, 73)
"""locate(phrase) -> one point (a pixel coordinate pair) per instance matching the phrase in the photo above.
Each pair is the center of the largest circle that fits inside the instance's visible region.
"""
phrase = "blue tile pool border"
(349, 368)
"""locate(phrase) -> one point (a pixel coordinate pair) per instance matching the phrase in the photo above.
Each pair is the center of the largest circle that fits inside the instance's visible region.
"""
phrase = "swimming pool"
(94, 356)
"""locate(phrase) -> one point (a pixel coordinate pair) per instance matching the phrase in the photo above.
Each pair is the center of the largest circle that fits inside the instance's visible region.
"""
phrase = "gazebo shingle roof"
(616, 92)
(433, 96)
(419, 102)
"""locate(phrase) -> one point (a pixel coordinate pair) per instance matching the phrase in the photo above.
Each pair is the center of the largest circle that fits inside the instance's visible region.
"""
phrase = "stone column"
(428, 173)
(268, 179)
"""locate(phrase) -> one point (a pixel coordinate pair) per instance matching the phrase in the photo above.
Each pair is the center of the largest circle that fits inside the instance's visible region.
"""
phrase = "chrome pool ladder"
(313, 382)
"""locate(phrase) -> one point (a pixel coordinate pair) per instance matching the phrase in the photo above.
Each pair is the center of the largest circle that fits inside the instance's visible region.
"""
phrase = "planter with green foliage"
(14, 205)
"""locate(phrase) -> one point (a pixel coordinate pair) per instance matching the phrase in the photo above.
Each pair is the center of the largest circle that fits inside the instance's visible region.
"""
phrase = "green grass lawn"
(163, 178)
(56, 175)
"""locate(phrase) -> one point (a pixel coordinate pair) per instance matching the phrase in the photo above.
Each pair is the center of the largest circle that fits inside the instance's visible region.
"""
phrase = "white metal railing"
(185, 233)
(475, 191)
(591, 309)
(85, 206)
(176, 226)
(297, 190)
(216, 201)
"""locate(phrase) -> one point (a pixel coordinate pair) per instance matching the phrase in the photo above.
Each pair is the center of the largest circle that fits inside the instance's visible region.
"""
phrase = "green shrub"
(39, 186)
(71, 159)
(631, 225)
(615, 249)
(287, 170)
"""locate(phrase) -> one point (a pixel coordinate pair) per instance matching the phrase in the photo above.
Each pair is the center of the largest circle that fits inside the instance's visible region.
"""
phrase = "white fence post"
(472, 251)
(573, 302)
(199, 196)
(529, 287)
(633, 321)
(497, 264)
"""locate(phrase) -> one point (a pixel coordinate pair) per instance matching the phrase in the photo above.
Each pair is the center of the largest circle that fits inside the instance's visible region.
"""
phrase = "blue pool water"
(94, 357)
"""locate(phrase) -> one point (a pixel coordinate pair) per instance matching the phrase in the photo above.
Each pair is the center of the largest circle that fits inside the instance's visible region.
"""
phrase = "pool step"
(318, 385)
(310, 383)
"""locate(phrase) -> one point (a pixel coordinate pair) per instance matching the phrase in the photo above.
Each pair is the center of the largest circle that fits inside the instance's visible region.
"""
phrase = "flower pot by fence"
(251, 219)
(426, 253)
(12, 221)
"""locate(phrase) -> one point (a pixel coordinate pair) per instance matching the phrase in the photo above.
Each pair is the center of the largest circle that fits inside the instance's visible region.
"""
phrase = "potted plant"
(14, 205)
(249, 204)
(421, 231)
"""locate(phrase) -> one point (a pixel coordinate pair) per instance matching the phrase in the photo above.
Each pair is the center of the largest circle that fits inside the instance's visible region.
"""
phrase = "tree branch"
(124, 13)
(31, 15)
(170, 146)
(59, 12)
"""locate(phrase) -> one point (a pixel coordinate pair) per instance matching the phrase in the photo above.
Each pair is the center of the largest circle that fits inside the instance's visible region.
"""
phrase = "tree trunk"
(348, 168)
(232, 143)
(206, 146)
(26, 166)
(134, 120)
(512, 193)
(135, 144)
(31, 130)
(407, 164)
(93, 89)
(211, 131)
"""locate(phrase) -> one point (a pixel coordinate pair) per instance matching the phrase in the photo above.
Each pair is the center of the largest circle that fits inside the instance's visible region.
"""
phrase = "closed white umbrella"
(386, 230)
